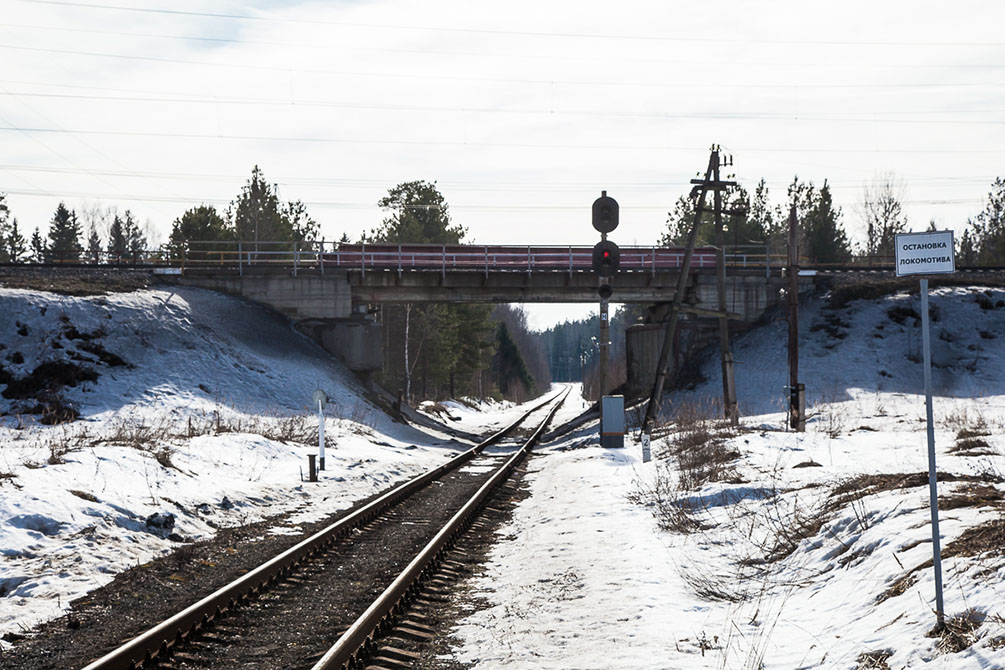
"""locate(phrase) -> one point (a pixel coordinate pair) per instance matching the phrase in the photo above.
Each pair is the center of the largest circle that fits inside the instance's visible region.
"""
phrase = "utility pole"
(797, 391)
(701, 188)
(730, 408)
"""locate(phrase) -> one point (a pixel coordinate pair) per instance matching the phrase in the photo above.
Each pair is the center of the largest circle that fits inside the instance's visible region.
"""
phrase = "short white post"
(321, 433)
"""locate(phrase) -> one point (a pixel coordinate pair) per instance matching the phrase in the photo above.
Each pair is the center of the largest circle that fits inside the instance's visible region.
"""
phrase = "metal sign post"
(320, 398)
(928, 253)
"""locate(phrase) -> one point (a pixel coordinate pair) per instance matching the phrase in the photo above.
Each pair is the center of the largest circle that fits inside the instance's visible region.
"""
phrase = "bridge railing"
(319, 255)
(496, 258)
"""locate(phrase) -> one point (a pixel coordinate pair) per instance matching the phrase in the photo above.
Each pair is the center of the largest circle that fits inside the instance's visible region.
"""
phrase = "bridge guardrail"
(319, 255)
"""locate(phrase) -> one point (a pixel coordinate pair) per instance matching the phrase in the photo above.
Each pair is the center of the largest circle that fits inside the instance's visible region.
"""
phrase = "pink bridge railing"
(504, 258)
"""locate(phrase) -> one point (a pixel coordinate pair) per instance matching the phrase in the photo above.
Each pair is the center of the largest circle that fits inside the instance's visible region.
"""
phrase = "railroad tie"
(401, 656)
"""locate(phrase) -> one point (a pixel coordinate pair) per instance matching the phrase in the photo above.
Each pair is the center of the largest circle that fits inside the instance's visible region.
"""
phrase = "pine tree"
(193, 232)
(826, 240)
(117, 242)
(966, 252)
(436, 350)
(5, 229)
(740, 228)
(17, 247)
(64, 236)
(508, 365)
(94, 245)
(989, 227)
(133, 237)
(200, 224)
(417, 214)
(38, 251)
(258, 215)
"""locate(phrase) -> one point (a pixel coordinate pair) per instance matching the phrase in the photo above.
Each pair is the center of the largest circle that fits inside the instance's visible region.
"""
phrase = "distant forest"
(439, 351)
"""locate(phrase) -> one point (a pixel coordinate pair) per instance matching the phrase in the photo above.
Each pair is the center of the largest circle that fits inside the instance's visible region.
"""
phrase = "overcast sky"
(520, 111)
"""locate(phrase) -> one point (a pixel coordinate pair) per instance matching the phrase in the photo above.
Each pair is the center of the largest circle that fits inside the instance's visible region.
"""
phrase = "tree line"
(450, 350)
(105, 235)
(751, 219)
(431, 351)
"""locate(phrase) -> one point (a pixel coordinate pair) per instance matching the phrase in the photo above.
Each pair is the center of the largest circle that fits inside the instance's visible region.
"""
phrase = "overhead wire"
(484, 144)
(332, 204)
(520, 54)
(593, 83)
(866, 117)
(926, 44)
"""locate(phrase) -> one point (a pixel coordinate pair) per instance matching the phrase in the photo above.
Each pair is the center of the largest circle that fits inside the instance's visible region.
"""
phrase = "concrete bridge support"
(357, 342)
(320, 305)
(749, 296)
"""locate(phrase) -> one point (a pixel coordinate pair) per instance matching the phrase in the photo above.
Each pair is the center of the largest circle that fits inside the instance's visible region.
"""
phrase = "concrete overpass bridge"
(314, 283)
(327, 291)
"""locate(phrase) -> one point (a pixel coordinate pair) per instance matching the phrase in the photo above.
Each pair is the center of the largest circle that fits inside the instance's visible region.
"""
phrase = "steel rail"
(159, 640)
(359, 639)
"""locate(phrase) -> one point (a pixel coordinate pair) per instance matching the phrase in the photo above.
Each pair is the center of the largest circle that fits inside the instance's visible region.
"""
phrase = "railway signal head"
(605, 213)
(605, 291)
(606, 258)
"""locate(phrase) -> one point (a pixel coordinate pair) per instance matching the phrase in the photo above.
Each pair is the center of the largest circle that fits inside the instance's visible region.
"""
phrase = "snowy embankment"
(194, 414)
(761, 548)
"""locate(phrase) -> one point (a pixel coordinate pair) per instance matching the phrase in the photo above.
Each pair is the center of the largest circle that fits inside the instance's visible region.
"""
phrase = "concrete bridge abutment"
(751, 297)
(319, 305)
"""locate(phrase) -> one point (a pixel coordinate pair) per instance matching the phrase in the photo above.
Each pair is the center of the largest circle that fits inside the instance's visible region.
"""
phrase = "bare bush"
(787, 526)
(833, 414)
(138, 434)
(693, 453)
(674, 510)
(967, 422)
(65, 441)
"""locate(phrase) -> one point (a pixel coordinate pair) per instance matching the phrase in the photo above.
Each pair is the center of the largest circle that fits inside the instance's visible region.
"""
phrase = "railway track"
(291, 609)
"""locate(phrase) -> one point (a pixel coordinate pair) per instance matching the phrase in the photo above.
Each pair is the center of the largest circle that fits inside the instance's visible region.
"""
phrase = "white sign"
(925, 253)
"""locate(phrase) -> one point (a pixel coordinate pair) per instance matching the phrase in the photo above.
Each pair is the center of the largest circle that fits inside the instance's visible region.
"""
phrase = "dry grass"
(874, 660)
(160, 438)
(986, 539)
(693, 453)
(74, 281)
(972, 446)
(959, 632)
(675, 511)
(788, 527)
(865, 485)
(712, 587)
(972, 495)
(901, 584)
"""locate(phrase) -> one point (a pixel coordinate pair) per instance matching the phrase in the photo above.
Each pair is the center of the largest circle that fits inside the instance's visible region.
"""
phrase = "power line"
(983, 85)
(518, 33)
(459, 184)
(328, 46)
(369, 206)
(502, 145)
(864, 117)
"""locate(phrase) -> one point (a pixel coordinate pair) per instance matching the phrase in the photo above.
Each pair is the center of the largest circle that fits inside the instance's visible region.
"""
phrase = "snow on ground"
(204, 423)
(210, 423)
(783, 573)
